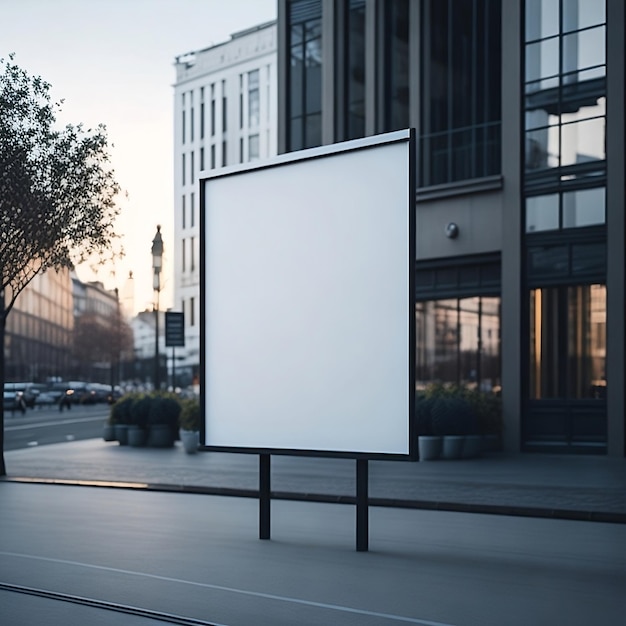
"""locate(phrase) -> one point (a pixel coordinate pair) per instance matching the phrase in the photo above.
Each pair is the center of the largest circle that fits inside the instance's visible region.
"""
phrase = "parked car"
(18, 396)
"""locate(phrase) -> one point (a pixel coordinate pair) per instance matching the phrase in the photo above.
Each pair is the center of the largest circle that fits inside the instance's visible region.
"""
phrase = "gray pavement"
(560, 486)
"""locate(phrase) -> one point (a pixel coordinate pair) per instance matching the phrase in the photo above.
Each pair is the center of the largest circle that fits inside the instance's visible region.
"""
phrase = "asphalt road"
(200, 557)
(48, 425)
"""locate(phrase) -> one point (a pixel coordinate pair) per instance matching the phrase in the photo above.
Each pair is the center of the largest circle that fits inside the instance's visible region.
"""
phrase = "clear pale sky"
(112, 61)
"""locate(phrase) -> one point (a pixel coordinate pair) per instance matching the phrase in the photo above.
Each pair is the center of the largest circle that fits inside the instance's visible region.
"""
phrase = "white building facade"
(225, 112)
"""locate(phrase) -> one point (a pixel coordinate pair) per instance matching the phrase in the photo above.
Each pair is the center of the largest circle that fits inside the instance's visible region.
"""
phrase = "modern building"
(225, 111)
(38, 340)
(519, 112)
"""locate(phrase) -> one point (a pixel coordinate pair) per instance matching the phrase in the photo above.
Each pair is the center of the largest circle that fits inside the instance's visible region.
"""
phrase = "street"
(199, 557)
(48, 425)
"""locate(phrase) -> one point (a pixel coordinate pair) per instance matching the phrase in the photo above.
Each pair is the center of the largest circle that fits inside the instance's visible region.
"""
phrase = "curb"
(426, 505)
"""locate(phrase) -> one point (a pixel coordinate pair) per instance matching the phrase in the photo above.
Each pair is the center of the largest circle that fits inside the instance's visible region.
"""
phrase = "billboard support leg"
(362, 521)
(264, 496)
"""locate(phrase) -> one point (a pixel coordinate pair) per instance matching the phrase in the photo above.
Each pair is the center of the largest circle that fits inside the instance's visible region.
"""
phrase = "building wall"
(489, 203)
(206, 80)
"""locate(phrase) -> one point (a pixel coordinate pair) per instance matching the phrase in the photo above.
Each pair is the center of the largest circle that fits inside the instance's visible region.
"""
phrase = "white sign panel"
(307, 301)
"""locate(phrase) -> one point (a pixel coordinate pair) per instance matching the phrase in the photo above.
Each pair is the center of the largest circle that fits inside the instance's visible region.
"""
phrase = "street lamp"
(157, 263)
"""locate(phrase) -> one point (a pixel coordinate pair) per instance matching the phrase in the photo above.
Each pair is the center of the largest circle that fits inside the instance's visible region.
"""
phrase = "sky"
(112, 62)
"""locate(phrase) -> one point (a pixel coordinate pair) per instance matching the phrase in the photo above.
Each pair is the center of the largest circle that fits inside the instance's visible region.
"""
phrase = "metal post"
(362, 520)
(157, 382)
(264, 496)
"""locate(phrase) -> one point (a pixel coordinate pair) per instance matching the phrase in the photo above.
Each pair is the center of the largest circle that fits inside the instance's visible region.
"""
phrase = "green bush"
(463, 411)
(190, 414)
(140, 411)
(120, 410)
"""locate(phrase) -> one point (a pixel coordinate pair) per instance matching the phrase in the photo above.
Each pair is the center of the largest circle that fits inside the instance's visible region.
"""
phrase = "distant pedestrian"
(65, 401)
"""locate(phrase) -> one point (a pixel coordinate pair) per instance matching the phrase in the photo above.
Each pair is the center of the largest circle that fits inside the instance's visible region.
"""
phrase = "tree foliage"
(57, 192)
(57, 186)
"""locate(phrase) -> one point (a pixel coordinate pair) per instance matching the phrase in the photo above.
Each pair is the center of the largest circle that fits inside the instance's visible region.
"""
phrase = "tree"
(57, 192)
(102, 339)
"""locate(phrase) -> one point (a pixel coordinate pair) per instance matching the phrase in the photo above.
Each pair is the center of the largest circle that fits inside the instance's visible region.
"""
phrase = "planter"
(160, 436)
(108, 432)
(452, 447)
(137, 437)
(429, 447)
(473, 446)
(190, 440)
(492, 443)
(121, 433)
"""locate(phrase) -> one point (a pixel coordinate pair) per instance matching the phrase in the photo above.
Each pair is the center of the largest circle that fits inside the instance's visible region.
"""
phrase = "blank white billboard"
(307, 301)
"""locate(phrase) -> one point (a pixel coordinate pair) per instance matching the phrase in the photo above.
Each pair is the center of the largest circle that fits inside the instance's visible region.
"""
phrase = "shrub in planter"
(428, 444)
(120, 418)
(189, 422)
(163, 421)
(189, 418)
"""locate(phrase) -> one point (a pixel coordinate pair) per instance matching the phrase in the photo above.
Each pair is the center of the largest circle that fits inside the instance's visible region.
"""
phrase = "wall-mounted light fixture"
(452, 230)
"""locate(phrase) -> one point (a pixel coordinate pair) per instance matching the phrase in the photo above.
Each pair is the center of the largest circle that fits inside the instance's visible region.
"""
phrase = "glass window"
(396, 64)
(253, 147)
(542, 60)
(305, 74)
(565, 85)
(461, 85)
(542, 148)
(584, 49)
(584, 207)
(542, 19)
(568, 342)
(355, 70)
(542, 213)
(254, 103)
(458, 342)
(548, 261)
(582, 142)
(582, 14)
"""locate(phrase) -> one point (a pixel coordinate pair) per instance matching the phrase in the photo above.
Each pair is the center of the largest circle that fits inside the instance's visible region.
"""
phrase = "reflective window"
(584, 207)
(355, 70)
(396, 65)
(461, 86)
(305, 74)
(565, 73)
(542, 19)
(458, 341)
(568, 342)
(569, 209)
(542, 213)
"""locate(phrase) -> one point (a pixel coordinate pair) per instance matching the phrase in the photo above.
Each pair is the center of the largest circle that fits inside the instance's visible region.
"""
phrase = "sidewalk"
(570, 487)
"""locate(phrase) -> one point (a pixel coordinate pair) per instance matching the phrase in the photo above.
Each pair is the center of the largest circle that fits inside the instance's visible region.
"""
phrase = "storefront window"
(568, 342)
(458, 342)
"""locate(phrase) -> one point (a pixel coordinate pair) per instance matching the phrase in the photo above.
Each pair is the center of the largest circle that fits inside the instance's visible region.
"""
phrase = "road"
(47, 425)
(199, 557)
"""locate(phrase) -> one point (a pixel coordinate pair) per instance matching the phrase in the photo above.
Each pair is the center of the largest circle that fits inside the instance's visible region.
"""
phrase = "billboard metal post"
(264, 496)
(362, 513)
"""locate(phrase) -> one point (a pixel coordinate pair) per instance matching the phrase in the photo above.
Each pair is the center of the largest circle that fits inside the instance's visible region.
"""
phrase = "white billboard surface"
(307, 301)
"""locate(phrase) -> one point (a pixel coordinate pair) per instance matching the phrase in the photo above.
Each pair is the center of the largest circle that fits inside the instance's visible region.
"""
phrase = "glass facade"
(565, 87)
(305, 75)
(565, 216)
(460, 110)
(39, 332)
